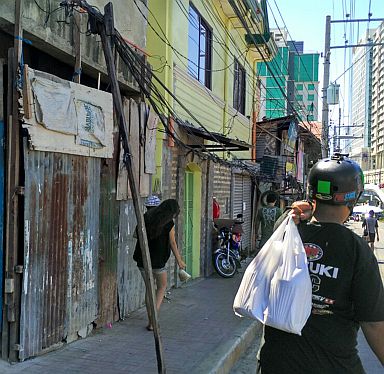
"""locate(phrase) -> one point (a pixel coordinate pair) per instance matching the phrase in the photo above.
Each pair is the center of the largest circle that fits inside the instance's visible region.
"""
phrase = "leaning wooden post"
(106, 30)
(77, 46)
(13, 191)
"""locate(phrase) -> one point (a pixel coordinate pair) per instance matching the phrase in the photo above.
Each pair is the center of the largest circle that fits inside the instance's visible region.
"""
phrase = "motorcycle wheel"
(225, 268)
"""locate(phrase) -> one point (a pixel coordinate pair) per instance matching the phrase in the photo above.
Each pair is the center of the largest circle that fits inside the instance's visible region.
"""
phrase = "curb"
(224, 357)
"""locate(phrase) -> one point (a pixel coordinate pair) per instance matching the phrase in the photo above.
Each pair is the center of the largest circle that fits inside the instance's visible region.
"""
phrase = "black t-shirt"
(346, 288)
(159, 249)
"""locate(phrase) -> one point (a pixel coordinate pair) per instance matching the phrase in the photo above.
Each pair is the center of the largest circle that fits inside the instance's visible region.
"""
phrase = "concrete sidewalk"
(200, 333)
(199, 330)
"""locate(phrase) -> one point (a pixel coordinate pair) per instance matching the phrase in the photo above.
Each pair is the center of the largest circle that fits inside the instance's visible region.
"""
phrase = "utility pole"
(339, 127)
(106, 30)
(327, 55)
(13, 198)
(104, 26)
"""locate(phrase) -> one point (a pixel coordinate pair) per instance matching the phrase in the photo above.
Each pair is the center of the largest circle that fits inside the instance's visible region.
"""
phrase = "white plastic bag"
(252, 297)
(276, 288)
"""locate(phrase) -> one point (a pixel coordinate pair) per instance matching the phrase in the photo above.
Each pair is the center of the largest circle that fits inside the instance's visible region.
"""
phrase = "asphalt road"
(247, 364)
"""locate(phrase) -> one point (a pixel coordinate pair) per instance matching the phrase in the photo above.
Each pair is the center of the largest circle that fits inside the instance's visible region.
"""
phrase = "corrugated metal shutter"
(237, 195)
(247, 213)
(60, 292)
(242, 204)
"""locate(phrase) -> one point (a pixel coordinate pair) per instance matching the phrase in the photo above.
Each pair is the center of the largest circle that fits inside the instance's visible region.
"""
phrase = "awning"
(223, 143)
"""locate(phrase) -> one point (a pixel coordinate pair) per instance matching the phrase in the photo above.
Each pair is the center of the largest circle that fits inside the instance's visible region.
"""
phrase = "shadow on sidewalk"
(198, 328)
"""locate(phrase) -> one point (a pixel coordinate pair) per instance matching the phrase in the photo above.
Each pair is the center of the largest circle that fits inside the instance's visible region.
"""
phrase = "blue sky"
(305, 20)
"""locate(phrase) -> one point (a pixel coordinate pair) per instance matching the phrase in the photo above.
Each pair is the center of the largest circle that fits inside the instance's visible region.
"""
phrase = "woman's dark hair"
(156, 218)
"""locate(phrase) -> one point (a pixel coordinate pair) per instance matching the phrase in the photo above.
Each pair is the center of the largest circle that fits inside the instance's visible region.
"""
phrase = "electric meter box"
(333, 94)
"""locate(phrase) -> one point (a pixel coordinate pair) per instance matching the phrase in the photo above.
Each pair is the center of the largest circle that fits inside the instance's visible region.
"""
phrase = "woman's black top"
(159, 249)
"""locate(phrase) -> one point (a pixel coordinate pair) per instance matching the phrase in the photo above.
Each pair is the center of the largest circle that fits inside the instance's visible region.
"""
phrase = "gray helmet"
(152, 200)
(337, 181)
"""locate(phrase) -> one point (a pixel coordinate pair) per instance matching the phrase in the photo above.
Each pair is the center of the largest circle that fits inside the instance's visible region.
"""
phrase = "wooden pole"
(77, 46)
(106, 30)
(10, 338)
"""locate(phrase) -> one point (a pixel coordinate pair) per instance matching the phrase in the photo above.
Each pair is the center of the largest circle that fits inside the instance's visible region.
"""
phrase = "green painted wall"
(194, 267)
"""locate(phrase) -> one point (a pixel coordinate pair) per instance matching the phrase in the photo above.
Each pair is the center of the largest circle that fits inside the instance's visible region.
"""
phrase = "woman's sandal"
(149, 328)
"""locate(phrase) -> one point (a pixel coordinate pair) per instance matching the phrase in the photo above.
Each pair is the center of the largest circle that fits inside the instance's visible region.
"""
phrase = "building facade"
(361, 108)
(210, 85)
(297, 75)
(375, 111)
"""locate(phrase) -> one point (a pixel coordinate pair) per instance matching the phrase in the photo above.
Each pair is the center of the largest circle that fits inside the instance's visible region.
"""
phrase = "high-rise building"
(306, 80)
(361, 111)
(295, 46)
(293, 72)
(377, 119)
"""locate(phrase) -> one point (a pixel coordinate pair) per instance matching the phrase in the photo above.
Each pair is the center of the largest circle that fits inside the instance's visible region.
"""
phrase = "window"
(310, 107)
(311, 87)
(299, 87)
(310, 117)
(299, 97)
(239, 88)
(199, 48)
(311, 97)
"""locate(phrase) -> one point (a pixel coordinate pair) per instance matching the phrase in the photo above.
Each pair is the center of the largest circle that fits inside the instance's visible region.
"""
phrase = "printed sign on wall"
(68, 117)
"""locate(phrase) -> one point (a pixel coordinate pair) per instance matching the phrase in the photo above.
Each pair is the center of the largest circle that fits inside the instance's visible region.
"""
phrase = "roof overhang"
(223, 143)
(281, 122)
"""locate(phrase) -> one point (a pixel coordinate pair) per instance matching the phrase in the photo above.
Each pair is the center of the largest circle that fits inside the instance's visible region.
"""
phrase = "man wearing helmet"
(347, 290)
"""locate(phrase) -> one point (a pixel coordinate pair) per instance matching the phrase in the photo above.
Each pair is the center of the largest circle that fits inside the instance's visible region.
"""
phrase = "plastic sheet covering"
(55, 108)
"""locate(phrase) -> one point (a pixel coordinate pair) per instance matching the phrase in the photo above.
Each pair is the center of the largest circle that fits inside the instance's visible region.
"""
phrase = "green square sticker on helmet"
(324, 187)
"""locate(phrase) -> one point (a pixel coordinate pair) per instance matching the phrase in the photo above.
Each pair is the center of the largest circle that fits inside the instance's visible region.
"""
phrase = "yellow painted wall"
(210, 107)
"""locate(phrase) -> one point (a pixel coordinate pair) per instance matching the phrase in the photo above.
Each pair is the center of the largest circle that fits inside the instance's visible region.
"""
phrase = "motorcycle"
(228, 256)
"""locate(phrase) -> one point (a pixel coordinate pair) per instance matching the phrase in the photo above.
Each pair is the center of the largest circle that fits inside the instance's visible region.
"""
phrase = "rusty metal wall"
(108, 241)
(61, 235)
(130, 285)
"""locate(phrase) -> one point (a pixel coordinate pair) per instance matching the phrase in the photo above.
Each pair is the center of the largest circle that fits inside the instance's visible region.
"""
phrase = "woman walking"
(161, 241)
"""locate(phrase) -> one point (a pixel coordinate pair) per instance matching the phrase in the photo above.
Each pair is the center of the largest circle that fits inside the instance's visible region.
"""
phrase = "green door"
(188, 220)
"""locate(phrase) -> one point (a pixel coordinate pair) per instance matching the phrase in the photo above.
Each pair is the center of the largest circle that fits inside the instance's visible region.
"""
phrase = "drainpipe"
(226, 83)
(256, 109)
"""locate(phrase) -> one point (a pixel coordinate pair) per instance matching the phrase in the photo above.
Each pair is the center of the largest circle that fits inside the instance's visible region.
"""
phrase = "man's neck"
(326, 217)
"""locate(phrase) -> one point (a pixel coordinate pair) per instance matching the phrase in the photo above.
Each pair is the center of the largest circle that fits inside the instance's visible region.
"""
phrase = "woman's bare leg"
(161, 286)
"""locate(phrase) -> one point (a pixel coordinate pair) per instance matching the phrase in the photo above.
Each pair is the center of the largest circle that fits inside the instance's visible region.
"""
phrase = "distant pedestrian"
(161, 241)
(371, 227)
(267, 217)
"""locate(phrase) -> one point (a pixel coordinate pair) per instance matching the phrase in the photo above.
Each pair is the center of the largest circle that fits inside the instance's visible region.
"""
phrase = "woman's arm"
(175, 250)
(374, 333)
